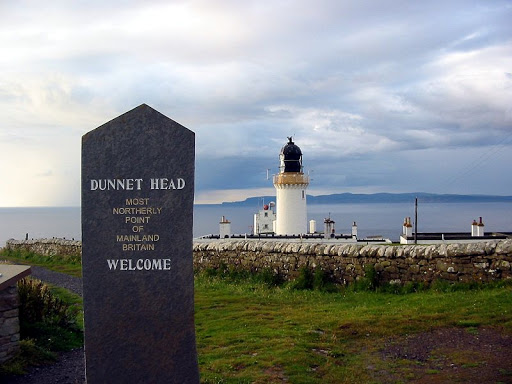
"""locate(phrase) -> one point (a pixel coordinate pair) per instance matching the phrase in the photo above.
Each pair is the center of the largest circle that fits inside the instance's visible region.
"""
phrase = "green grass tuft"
(30, 354)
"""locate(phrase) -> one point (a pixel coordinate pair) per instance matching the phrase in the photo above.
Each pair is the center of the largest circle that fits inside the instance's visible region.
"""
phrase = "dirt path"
(69, 369)
(449, 355)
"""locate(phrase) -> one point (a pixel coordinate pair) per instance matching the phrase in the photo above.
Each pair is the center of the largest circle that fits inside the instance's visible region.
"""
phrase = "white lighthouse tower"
(291, 184)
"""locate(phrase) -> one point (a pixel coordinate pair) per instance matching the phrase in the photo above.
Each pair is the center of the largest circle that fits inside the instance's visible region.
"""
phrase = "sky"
(381, 96)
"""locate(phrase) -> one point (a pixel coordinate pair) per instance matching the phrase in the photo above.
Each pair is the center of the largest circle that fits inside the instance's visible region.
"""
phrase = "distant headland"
(354, 198)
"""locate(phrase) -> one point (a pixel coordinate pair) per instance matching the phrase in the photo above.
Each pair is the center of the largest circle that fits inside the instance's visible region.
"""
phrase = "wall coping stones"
(55, 240)
(427, 251)
(503, 247)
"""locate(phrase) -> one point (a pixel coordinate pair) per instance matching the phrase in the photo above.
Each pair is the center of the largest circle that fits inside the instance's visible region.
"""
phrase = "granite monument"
(137, 216)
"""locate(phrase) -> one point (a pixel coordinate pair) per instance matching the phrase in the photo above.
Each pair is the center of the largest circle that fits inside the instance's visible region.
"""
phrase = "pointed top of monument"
(143, 116)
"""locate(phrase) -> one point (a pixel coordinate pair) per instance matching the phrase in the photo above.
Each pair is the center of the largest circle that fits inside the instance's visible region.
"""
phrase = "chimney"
(480, 228)
(312, 226)
(474, 229)
(329, 228)
(407, 227)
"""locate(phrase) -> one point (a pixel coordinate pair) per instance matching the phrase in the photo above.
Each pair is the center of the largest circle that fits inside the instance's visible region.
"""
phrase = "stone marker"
(137, 215)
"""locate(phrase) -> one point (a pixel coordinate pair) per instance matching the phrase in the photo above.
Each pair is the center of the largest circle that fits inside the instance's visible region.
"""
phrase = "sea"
(373, 219)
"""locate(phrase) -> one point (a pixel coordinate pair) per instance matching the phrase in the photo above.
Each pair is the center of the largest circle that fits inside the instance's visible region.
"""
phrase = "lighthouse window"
(266, 214)
(303, 194)
(266, 226)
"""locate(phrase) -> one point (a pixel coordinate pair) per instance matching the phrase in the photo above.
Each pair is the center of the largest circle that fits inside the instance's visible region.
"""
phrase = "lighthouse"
(291, 184)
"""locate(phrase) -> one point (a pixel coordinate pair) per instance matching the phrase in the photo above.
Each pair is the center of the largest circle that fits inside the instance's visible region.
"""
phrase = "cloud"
(39, 172)
(363, 87)
(471, 88)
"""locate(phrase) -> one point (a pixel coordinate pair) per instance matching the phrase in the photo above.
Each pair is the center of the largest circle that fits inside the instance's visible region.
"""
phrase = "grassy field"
(250, 331)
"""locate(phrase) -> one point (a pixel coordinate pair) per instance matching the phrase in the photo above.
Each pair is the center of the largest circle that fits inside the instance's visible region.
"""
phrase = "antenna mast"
(416, 221)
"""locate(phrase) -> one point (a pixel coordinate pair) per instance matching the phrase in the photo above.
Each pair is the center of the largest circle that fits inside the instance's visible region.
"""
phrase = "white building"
(291, 184)
(476, 235)
(264, 220)
(224, 228)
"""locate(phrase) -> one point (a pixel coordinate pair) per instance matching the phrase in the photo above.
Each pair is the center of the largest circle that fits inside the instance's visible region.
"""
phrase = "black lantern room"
(291, 157)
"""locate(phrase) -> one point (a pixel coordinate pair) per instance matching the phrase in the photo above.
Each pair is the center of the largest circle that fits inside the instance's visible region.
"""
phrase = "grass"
(71, 265)
(257, 329)
(30, 355)
(250, 332)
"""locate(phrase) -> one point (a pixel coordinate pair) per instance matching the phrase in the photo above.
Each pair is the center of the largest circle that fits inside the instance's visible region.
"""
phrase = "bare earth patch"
(448, 355)
(276, 374)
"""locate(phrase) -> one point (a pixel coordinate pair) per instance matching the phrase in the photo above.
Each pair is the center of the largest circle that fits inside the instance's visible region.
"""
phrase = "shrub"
(369, 282)
(46, 318)
(269, 278)
(237, 274)
(38, 304)
(414, 286)
(304, 280)
(322, 281)
(396, 289)
(373, 277)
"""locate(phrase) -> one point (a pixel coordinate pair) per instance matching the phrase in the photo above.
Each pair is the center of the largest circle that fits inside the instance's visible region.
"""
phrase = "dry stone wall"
(9, 323)
(47, 247)
(481, 262)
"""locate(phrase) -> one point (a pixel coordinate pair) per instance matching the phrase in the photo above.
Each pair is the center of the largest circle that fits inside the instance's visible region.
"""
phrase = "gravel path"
(72, 283)
(69, 369)
(70, 366)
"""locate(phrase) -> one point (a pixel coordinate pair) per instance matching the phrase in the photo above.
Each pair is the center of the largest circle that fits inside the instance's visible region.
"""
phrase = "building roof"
(457, 236)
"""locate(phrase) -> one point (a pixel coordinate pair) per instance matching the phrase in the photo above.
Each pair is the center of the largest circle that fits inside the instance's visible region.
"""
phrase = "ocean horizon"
(372, 219)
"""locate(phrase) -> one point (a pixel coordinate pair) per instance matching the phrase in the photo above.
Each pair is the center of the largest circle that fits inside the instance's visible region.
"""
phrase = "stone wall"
(482, 262)
(9, 323)
(47, 247)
